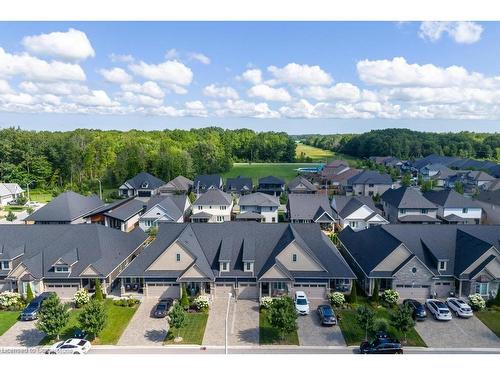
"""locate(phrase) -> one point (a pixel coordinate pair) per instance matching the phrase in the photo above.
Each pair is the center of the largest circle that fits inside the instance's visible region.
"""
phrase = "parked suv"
(438, 309)
(459, 307)
(301, 303)
(418, 310)
(326, 315)
(30, 312)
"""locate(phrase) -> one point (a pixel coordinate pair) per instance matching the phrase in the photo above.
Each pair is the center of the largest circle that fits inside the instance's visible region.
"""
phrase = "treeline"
(408, 144)
(80, 157)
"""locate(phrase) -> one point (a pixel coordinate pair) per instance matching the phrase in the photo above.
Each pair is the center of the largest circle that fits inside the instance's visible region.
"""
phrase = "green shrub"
(353, 296)
(380, 324)
(98, 295)
(375, 294)
(337, 299)
(184, 299)
(496, 300)
(265, 302)
(390, 296)
(477, 302)
(29, 294)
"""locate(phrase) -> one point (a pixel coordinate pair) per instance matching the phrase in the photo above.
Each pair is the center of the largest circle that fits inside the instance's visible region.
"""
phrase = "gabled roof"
(420, 218)
(347, 205)
(145, 181)
(480, 176)
(370, 177)
(491, 197)
(249, 215)
(204, 182)
(306, 206)
(442, 170)
(66, 207)
(449, 198)
(213, 197)
(271, 180)
(127, 210)
(434, 159)
(259, 199)
(172, 205)
(301, 184)
(180, 183)
(7, 188)
(406, 197)
(239, 184)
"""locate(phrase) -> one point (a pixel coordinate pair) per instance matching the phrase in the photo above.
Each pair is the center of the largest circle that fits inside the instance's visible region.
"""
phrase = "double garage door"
(419, 292)
(222, 290)
(64, 291)
(312, 291)
(248, 291)
(163, 290)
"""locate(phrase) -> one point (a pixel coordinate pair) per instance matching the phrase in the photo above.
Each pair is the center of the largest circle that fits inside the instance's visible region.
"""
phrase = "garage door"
(64, 291)
(312, 291)
(222, 289)
(248, 291)
(163, 290)
(418, 292)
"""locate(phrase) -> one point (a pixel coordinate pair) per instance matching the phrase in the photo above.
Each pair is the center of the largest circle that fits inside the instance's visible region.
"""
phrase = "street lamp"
(100, 188)
(229, 295)
(28, 189)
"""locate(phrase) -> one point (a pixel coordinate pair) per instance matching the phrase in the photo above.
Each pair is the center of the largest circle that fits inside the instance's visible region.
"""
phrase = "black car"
(30, 312)
(418, 310)
(326, 315)
(381, 346)
(162, 307)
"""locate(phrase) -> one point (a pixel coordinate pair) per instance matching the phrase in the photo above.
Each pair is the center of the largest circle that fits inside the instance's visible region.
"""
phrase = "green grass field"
(318, 155)
(118, 319)
(269, 335)
(7, 320)
(40, 196)
(491, 318)
(192, 333)
(286, 171)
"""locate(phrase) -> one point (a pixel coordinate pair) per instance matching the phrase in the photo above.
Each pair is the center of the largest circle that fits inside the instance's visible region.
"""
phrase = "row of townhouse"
(251, 260)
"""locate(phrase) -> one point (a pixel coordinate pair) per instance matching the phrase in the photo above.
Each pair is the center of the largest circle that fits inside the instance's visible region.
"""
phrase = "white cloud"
(169, 72)
(269, 93)
(200, 57)
(117, 58)
(195, 108)
(17, 98)
(36, 69)
(302, 75)
(115, 75)
(140, 99)
(55, 88)
(96, 98)
(172, 54)
(341, 91)
(148, 88)
(225, 92)
(70, 45)
(4, 87)
(242, 108)
(460, 32)
(254, 76)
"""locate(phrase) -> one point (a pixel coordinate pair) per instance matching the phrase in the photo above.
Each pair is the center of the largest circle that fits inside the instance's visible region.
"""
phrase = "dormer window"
(442, 265)
(424, 211)
(248, 266)
(61, 269)
(465, 210)
(178, 257)
(224, 266)
(144, 185)
(5, 265)
(294, 257)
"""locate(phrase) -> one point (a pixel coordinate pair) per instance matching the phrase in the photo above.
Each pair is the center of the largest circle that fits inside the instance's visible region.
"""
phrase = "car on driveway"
(438, 309)
(459, 307)
(326, 315)
(381, 345)
(70, 346)
(418, 310)
(301, 303)
(30, 312)
(162, 307)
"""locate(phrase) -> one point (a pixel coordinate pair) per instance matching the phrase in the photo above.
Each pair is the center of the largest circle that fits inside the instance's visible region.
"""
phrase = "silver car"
(459, 307)
(438, 309)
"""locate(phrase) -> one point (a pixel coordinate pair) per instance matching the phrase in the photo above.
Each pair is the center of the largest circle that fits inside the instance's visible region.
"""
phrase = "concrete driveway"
(457, 333)
(312, 333)
(243, 323)
(143, 330)
(22, 334)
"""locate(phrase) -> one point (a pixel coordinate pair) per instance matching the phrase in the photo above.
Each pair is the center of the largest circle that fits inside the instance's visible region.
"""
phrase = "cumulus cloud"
(168, 72)
(70, 45)
(254, 76)
(269, 93)
(304, 75)
(4, 87)
(225, 92)
(139, 99)
(115, 75)
(341, 91)
(460, 32)
(195, 108)
(117, 58)
(95, 98)
(200, 57)
(148, 88)
(55, 88)
(242, 108)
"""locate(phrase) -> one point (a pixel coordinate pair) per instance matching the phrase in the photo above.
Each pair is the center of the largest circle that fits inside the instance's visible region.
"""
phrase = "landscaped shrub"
(126, 302)
(390, 296)
(266, 302)
(353, 297)
(201, 303)
(29, 294)
(98, 295)
(81, 297)
(184, 299)
(380, 324)
(337, 299)
(375, 294)
(11, 301)
(476, 302)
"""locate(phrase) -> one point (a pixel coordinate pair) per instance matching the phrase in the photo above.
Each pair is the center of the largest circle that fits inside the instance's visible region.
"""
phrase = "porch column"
(460, 288)
(122, 287)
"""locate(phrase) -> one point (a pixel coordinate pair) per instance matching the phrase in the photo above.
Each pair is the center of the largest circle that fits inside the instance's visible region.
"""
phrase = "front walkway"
(22, 334)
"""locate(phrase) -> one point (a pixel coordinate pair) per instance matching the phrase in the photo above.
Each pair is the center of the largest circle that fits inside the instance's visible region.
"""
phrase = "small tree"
(152, 232)
(459, 187)
(365, 317)
(30, 210)
(53, 316)
(406, 180)
(426, 186)
(10, 216)
(375, 294)
(29, 293)
(184, 298)
(192, 197)
(380, 324)
(282, 316)
(98, 296)
(402, 320)
(353, 297)
(177, 318)
(93, 318)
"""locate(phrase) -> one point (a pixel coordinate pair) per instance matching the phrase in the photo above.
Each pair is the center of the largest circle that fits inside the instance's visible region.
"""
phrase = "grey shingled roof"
(213, 197)
(306, 206)
(180, 183)
(239, 184)
(406, 197)
(173, 205)
(145, 178)
(450, 199)
(346, 205)
(67, 206)
(271, 180)
(370, 177)
(421, 218)
(299, 180)
(259, 199)
(127, 210)
(206, 181)
(249, 215)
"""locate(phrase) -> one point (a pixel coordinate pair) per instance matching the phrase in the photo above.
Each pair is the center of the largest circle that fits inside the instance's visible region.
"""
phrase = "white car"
(70, 346)
(438, 309)
(301, 303)
(459, 307)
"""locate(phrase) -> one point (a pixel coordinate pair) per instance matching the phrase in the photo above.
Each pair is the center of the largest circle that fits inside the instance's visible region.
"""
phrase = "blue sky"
(302, 77)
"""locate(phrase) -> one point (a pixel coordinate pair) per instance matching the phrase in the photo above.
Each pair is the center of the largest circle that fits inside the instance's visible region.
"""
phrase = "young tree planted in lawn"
(406, 180)
(177, 318)
(98, 291)
(375, 294)
(29, 293)
(93, 318)
(402, 320)
(365, 317)
(353, 297)
(53, 316)
(282, 316)
(10, 216)
(184, 298)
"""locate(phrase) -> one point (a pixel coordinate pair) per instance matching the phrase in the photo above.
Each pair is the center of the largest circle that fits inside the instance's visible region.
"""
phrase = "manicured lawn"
(7, 320)
(68, 330)
(354, 334)
(118, 319)
(269, 335)
(192, 333)
(40, 196)
(491, 318)
(316, 154)
(286, 171)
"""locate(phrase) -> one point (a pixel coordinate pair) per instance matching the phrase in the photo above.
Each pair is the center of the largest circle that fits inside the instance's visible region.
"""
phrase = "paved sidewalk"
(143, 330)
(22, 334)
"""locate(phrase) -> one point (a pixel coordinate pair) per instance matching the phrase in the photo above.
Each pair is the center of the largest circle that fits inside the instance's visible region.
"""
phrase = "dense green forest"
(408, 144)
(58, 160)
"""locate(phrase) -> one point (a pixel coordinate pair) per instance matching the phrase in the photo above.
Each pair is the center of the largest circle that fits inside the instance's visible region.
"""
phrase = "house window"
(178, 257)
(414, 270)
(482, 288)
(294, 257)
(279, 285)
(61, 269)
(465, 210)
(222, 208)
(424, 211)
(220, 218)
(402, 211)
(353, 224)
(371, 185)
(5, 265)
(200, 208)
(273, 220)
(442, 265)
(249, 266)
(225, 266)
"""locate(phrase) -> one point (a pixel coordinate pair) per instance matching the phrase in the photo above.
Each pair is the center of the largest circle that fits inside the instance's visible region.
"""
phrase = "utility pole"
(28, 189)
(100, 188)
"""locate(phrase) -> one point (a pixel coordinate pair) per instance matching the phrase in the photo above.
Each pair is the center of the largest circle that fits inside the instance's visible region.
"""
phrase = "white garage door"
(163, 290)
(418, 292)
(64, 291)
(222, 289)
(248, 291)
(312, 291)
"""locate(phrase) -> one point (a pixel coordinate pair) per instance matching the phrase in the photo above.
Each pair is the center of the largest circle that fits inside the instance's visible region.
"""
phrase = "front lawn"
(491, 318)
(68, 331)
(192, 333)
(354, 334)
(118, 319)
(269, 335)
(7, 320)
